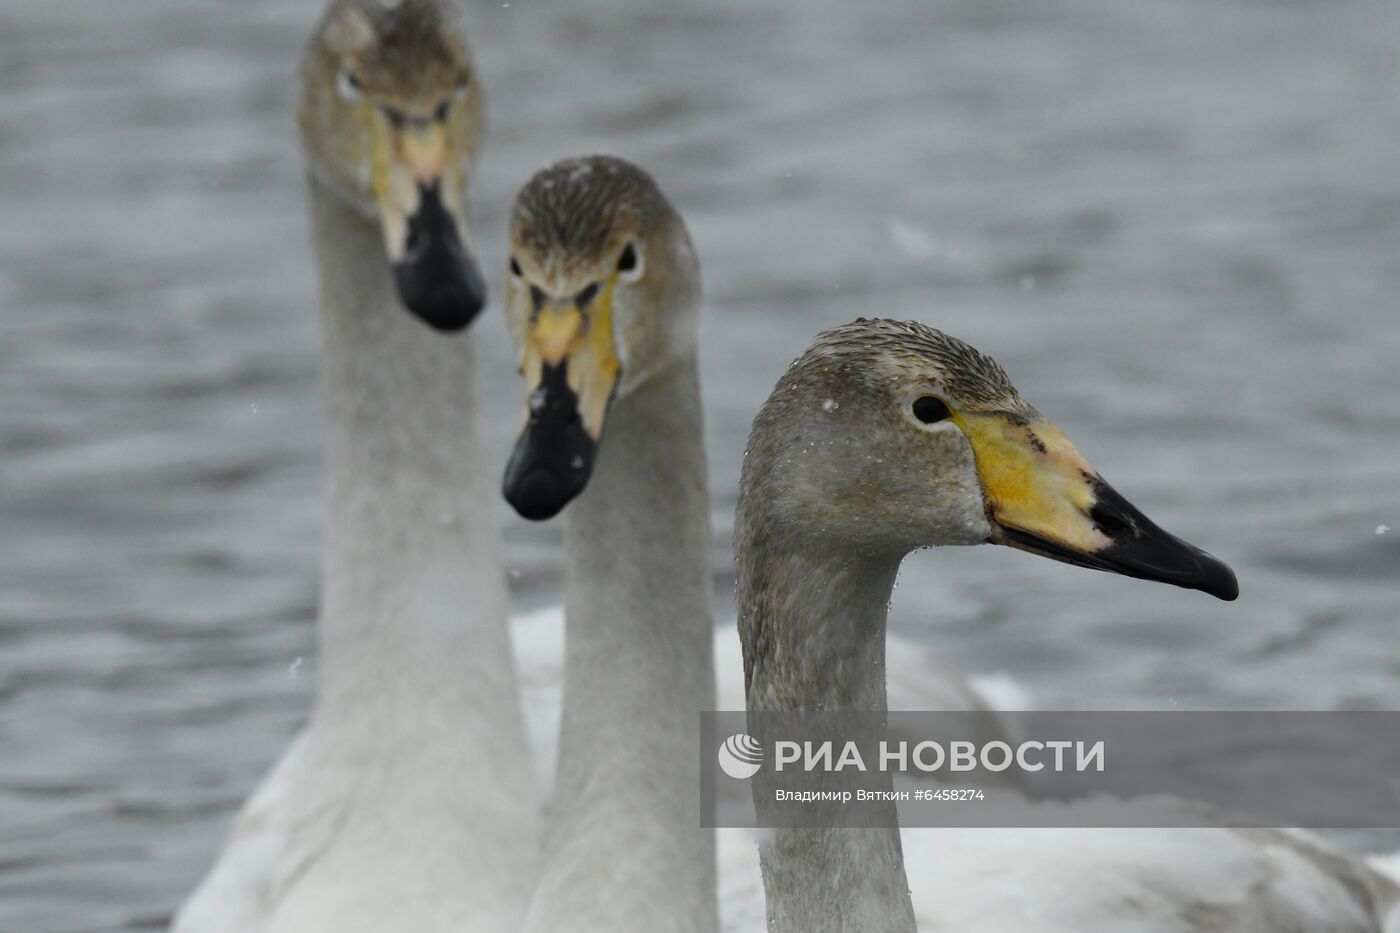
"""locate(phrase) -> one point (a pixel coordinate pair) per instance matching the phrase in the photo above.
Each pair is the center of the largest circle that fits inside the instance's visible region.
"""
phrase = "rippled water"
(1176, 223)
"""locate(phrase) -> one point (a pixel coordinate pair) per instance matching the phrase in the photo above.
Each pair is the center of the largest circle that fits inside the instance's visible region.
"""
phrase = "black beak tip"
(1143, 550)
(450, 307)
(553, 457)
(1218, 579)
(446, 303)
(1164, 558)
(437, 279)
(538, 495)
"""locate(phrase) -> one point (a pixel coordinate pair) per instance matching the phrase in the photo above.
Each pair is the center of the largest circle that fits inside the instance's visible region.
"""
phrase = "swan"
(888, 436)
(602, 301)
(406, 802)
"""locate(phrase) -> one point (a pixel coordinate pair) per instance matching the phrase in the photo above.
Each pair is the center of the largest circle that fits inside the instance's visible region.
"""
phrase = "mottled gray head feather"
(885, 350)
(577, 208)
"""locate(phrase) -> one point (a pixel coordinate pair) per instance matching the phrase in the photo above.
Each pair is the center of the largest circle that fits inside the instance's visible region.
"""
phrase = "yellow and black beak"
(1043, 497)
(418, 191)
(571, 370)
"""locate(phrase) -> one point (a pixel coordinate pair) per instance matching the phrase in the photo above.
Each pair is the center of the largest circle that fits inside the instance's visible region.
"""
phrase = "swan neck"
(413, 614)
(812, 621)
(811, 876)
(638, 670)
(417, 742)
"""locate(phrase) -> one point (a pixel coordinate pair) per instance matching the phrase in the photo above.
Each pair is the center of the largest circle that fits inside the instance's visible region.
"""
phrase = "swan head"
(390, 119)
(601, 298)
(886, 436)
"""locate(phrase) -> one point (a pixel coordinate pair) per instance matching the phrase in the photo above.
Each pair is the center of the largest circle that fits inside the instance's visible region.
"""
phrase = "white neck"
(416, 677)
(624, 849)
(813, 625)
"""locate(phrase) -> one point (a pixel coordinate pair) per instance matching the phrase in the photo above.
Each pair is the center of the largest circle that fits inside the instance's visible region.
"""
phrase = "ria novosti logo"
(740, 756)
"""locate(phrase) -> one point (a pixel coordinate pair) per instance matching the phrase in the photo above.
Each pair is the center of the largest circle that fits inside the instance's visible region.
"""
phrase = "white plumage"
(1204, 880)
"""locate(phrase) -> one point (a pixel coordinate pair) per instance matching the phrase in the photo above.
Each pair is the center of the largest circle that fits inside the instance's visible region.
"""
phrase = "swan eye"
(629, 264)
(931, 410)
(515, 267)
(628, 260)
(349, 87)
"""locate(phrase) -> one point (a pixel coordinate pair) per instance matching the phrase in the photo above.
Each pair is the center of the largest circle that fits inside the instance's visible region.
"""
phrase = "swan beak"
(1043, 497)
(571, 368)
(419, 200)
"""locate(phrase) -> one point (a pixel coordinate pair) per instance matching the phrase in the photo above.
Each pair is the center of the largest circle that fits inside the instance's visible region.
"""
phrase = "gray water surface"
(1177, 224)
